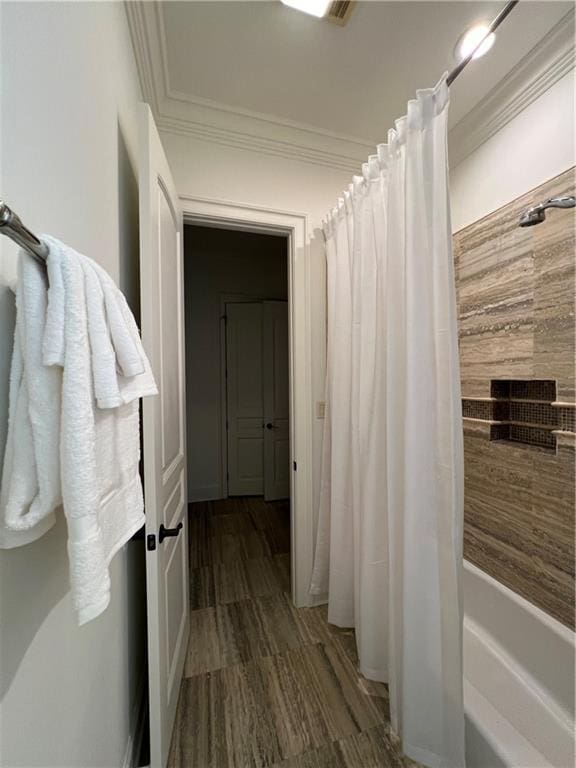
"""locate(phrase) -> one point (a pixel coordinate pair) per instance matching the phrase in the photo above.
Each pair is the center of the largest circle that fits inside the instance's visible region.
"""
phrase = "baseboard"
(134, 743)
(205, 493)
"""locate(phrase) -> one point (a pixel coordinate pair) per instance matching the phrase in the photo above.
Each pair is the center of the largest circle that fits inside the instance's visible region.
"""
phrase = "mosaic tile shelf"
(522, 411)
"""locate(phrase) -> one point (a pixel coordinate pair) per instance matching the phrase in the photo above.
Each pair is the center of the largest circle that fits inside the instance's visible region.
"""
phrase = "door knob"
(165, 533)
(269, 425)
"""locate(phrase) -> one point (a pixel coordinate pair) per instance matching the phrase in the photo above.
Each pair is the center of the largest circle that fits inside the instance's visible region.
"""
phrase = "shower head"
(537, 214)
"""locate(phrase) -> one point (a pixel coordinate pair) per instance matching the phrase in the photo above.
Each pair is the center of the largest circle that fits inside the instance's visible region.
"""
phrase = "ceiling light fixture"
(313, 7)
(471, 38)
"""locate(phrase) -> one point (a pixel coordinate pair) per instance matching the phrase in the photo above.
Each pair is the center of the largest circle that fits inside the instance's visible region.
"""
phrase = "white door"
(164, 438)
(244, 398)
(276, 400)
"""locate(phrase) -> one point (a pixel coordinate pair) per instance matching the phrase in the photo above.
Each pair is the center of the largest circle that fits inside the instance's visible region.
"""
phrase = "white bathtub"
(518, 680)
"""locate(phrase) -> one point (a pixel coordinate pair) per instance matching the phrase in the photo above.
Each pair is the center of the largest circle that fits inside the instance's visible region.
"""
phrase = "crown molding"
(280, 147)
(206, 120)
(550, 60)
(136, 16)
(222, 124)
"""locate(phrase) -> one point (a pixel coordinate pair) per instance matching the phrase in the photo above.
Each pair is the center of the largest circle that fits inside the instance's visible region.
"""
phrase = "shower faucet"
(537, 214)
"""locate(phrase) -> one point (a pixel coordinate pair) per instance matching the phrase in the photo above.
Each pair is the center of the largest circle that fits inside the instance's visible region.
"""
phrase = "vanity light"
(313, 7)
(470, 40)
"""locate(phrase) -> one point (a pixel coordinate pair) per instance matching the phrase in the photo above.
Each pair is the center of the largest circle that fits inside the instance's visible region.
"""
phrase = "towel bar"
(12, 227)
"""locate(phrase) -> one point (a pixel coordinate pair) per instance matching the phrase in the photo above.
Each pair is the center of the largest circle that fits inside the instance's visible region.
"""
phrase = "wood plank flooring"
(267, 684)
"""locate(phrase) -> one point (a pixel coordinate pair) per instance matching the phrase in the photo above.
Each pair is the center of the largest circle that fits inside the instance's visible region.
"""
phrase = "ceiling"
(269, 61)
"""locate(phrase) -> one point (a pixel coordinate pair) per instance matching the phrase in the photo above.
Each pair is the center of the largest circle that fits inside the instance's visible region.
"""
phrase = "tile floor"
(267, 684)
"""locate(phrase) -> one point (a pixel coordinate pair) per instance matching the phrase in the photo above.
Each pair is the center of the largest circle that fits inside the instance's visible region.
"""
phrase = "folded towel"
(123, 329)
(120, 369)
(89, 341)
(134, 375)
(104, 369)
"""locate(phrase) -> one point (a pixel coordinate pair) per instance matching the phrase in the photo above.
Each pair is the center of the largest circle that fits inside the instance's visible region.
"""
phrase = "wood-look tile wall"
(516, 321)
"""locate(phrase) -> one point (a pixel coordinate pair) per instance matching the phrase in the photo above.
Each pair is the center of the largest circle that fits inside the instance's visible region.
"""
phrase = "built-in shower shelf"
(521, 411)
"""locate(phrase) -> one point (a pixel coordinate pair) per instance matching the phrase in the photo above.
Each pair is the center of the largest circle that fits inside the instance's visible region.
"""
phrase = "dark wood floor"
(267, 684)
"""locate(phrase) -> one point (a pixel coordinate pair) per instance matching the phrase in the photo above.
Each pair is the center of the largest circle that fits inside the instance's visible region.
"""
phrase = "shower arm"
(566, 201)
(537, 214)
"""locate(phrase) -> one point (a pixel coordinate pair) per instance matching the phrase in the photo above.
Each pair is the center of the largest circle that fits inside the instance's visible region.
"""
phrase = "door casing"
(276, 401)
(294, 226)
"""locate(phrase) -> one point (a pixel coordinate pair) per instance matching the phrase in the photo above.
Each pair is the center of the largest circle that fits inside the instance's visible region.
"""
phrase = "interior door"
(244, 398)
(164, 438)
(276, 400)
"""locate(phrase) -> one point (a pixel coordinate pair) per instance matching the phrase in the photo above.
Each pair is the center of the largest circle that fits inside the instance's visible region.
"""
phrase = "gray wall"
(219, 262)
(68, 165)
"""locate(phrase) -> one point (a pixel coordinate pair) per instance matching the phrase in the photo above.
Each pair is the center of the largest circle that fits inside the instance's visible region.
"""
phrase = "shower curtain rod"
(12, 226)
(508, 8)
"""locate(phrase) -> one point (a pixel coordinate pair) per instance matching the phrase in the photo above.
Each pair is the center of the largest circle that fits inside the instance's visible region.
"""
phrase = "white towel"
(90, 336)
(30, 491)
(129, 376)
(120, 369)
(104, 370)
(123, 329)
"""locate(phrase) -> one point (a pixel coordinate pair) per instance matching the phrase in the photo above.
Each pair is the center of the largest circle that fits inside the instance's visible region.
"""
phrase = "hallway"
(267, 684)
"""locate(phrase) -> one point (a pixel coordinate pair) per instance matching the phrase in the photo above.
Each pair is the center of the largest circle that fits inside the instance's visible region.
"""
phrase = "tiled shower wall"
(516, 321)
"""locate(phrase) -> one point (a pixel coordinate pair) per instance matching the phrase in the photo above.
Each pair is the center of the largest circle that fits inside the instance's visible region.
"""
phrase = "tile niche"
(521, 411)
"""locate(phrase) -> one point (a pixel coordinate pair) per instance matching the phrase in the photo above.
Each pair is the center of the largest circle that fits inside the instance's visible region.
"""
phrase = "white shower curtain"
(389, 541)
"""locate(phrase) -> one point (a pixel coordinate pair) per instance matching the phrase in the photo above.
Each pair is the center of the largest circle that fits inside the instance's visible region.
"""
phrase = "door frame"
(294, 226)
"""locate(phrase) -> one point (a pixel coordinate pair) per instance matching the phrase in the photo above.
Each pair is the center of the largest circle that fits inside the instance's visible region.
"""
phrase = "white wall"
(535, 146)
(68, 166)
(219, 263)
(216, 172)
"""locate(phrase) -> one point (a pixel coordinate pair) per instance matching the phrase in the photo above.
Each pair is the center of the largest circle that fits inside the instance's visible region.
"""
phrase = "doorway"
(290, 230)
(236, 308)
(238, 414)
